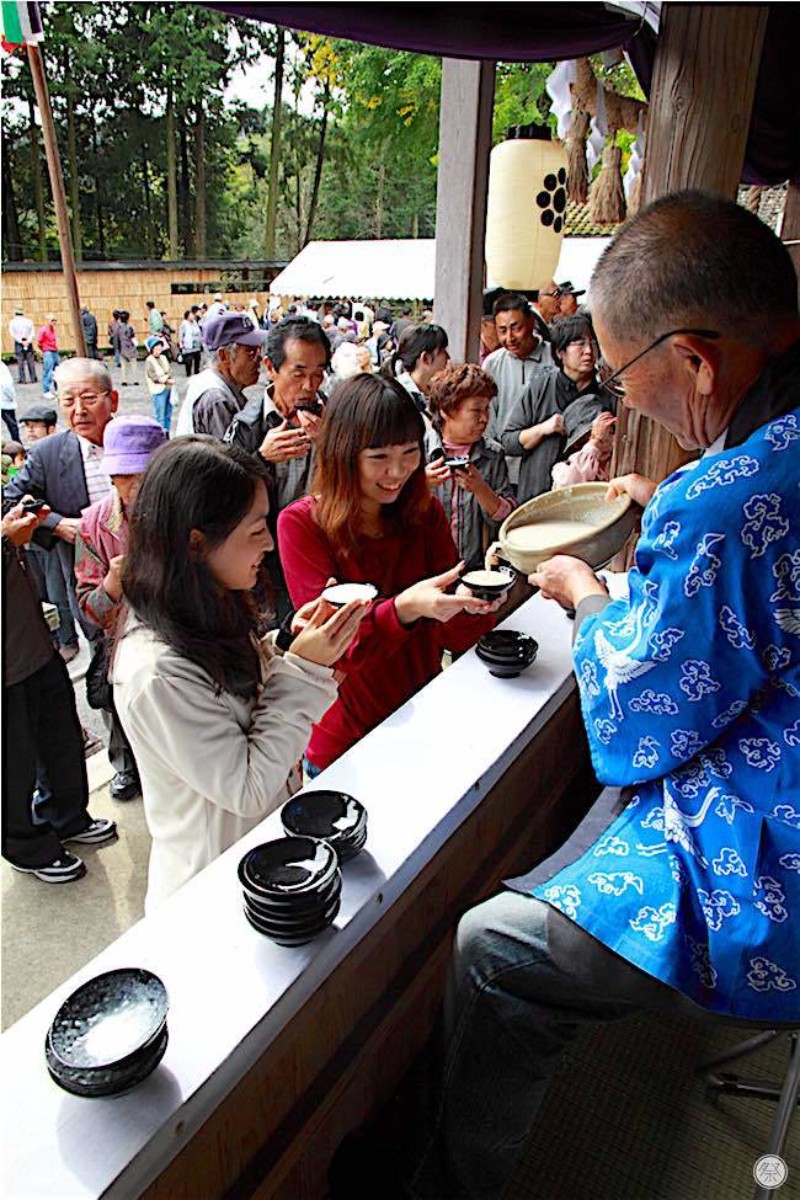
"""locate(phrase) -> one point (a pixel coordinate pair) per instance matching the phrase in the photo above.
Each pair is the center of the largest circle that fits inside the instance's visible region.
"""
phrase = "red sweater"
(387, 662)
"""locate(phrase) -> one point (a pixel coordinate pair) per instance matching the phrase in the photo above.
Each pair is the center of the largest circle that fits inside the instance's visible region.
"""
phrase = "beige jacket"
(212, 766)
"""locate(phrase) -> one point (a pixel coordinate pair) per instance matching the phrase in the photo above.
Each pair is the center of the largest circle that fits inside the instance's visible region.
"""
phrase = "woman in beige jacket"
(216, 717)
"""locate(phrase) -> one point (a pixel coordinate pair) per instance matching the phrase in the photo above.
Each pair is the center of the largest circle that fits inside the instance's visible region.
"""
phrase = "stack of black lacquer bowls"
(109, 1034)
(507, 652)
(292, 888)
(333, 816)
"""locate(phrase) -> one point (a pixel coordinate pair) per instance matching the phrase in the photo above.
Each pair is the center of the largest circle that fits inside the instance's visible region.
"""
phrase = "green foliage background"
(112, 70)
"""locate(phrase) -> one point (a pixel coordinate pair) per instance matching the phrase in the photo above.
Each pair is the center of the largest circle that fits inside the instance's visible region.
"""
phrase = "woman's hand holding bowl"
(430, 598)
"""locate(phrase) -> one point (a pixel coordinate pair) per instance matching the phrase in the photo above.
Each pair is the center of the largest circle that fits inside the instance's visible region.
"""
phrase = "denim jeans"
(162, 408)
(524, 980)
(51, 360)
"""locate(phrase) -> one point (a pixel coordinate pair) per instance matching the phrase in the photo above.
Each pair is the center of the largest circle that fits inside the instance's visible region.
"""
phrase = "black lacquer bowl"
(507, 652)
(292, 888)
(109, 1034)
(337, 818)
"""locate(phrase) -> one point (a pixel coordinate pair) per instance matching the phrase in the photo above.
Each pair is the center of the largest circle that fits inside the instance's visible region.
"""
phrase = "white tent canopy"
(401, 269)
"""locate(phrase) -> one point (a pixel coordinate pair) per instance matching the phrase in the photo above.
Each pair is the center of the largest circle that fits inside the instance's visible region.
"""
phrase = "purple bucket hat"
(129, 443)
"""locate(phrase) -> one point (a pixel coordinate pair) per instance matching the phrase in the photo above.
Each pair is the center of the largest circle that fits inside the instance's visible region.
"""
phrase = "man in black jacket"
(40, 723)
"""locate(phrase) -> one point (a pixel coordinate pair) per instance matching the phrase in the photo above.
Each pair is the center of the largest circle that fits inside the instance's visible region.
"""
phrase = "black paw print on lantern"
(552, 200)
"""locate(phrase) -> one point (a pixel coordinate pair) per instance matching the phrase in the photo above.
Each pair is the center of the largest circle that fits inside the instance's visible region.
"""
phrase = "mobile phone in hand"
(32, 506)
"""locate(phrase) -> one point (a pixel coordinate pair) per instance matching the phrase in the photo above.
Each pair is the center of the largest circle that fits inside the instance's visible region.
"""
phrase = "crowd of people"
(378, 467)
(197, 567)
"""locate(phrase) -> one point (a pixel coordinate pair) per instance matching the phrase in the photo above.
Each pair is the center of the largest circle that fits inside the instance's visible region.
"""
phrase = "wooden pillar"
(465, 139)
(790, 230)
(700, 106)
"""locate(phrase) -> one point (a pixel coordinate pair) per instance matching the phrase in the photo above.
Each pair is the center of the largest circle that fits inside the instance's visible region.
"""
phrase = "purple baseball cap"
(231, 328)
(129, 443)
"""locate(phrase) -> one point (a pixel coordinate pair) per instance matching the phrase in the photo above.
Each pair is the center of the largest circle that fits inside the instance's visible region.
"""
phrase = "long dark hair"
(365, 412)
(194, 483)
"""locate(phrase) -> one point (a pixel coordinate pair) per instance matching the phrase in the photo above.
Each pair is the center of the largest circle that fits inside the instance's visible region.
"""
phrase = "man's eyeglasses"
(84, 397)
(610, 383)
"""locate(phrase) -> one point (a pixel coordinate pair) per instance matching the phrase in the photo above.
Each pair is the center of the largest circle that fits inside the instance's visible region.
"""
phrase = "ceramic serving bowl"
(334, 816)
(489, 585)
(601, 527)
(507, 652)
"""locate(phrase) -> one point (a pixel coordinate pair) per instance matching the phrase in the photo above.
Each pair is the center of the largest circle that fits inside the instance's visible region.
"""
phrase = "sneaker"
(96, 833)
(66, 868)
(125, 786)
(69, 652)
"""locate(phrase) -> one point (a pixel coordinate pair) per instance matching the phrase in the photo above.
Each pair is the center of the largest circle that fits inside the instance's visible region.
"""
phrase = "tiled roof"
(771, 205)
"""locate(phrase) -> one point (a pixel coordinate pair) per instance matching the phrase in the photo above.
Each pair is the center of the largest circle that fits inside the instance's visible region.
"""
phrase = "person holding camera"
(281, 428)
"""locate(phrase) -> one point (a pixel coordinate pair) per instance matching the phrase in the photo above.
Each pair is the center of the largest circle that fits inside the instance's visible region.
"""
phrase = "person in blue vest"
(680, 891)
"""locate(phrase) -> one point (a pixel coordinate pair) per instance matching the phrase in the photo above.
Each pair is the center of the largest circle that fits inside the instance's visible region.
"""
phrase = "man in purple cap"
(216, 395)
(129, 443)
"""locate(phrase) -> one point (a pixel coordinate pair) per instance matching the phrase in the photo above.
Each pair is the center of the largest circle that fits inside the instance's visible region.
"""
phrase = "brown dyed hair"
(365, 413)
(456, 383)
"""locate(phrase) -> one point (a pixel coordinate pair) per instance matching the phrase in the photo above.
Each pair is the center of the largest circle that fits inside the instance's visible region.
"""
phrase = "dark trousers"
(40, 722)
(10, 418)
(49, 577)
(25, 358)
(191, 362)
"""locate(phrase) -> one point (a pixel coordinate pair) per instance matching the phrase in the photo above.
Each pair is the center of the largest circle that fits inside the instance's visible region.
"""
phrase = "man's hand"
(567, 580)
(284, 443)
(113, 580)
(530, 438)
(19, 526)
(554, 424)
(637, 487)
(67, 529)
(310, 423)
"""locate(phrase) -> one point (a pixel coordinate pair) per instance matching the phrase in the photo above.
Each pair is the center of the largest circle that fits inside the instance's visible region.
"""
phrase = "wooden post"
(700, 106)
(465, 139)
(59, 199)
(790, 231)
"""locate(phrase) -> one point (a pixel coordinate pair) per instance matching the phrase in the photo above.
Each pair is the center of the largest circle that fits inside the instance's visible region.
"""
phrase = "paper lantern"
(526, 208)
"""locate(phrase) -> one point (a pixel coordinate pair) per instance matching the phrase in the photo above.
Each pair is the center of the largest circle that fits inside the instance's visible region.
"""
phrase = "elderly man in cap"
(216, 395)
(39, 422)
(282, 427)
(568, 298)
(21, 329)
(678, 893)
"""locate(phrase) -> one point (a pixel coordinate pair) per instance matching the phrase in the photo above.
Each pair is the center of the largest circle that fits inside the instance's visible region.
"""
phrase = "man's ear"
(272, 372)
(701, 359)
(113, 400)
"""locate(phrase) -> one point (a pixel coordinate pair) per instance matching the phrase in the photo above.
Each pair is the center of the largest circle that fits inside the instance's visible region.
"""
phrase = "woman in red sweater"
(372, 519)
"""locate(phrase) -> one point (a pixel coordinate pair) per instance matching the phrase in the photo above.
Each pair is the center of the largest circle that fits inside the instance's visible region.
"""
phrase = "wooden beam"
(59, 199)
(701, 102)
(790, 230)
(465, 139)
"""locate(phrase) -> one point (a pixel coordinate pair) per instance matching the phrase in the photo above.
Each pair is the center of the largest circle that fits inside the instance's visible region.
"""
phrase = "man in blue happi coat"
(681, 890)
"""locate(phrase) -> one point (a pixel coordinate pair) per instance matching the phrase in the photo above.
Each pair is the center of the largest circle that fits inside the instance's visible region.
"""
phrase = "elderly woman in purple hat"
(128, 445)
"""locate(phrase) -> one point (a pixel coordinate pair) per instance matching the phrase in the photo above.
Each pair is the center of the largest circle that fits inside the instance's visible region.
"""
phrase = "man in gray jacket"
(215, 396)
(522, 356)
